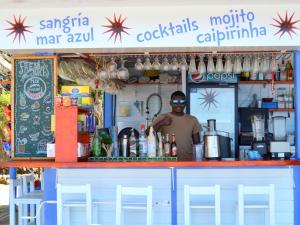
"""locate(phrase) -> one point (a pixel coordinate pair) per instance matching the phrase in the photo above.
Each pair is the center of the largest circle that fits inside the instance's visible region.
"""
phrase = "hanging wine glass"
(219, 65)
(102, 73)
(247, 64)
(174, 64)
(192, 66)
(201, 66)
(255, 68)
(139, 65)
(123, 73)
(211, 65)
(112, 66)
(165, 64)
(147, 64)
(183, 64)
(156, 64)
(228, 65)
(237, 66)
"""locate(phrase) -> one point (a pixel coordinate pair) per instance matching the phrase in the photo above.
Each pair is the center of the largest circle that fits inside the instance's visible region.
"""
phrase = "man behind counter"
(185, 127)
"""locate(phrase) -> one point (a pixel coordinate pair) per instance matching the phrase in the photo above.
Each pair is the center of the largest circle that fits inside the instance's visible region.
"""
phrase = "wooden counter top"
(48, 164)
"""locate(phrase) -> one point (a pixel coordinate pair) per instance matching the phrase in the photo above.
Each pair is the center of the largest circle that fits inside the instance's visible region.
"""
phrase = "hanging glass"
(211, 65)
(139, 65)
(228, 64)
(183, 64)
(165, 64)
(123, 73)
(147, 64)
(174, 64)
(192, 66)
(219, 65)
(237, 66)
(156, 64)
(201, 66)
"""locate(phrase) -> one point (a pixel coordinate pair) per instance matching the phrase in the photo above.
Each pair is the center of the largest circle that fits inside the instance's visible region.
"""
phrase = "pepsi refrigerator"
(214, 96)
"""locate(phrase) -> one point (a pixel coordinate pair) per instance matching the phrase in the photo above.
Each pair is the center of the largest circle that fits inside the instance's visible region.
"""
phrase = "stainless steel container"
(211, 145)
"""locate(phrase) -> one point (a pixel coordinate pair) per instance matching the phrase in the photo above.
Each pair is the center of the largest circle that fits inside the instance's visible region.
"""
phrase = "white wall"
(140, 92)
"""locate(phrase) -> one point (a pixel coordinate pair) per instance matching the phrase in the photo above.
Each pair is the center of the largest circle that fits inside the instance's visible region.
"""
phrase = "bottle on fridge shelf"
(133, 145)
(289, 71)
(143, 145)
(151, 143)
(173, 146)
(282, 71)
(167, 146)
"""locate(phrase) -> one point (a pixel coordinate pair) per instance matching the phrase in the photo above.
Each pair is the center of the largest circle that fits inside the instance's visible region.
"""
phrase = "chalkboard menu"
(34, 87)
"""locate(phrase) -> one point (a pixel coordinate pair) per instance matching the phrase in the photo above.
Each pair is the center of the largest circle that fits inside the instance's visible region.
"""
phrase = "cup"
(198, 152)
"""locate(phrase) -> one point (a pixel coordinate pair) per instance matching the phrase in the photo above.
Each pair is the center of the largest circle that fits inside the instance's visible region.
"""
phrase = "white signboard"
(140, 27)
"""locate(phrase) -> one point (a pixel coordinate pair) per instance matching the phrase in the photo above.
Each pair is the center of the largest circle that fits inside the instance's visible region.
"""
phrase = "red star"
(286, 25)
(18, 28)
(116, 27)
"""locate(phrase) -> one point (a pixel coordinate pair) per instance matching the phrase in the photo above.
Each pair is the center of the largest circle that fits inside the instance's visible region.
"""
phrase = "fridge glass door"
(215, 103)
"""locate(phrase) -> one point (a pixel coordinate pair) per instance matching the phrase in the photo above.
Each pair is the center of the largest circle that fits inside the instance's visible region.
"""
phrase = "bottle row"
(152, 145)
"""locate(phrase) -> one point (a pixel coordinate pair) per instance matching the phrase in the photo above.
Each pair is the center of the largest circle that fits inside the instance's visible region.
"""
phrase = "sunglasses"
(178, 102)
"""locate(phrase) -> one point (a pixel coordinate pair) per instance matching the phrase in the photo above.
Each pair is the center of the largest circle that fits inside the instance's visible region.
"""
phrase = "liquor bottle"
(167, 146)
(132, 145)
(151, 143)
(143, 146)
(173, 146)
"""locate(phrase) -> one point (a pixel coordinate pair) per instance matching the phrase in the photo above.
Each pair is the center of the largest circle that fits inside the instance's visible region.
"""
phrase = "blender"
(259, 143)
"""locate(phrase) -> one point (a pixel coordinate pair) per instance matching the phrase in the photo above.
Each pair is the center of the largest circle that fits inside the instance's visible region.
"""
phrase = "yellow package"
(76, 90)
(86, 101)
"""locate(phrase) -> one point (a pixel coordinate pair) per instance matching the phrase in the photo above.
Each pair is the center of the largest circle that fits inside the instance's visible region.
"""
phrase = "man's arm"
(196, 138)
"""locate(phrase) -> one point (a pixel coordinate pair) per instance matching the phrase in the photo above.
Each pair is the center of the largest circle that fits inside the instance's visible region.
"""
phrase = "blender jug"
(258, 127)
(279, 128)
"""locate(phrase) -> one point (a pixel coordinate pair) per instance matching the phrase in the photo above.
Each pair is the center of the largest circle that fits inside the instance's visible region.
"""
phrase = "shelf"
(156, 83)
(281, 110)
(291, 82)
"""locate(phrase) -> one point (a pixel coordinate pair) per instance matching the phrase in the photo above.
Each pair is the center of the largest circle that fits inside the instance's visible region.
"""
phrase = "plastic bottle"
(151, 143)
(159, 145)
(132, 145)
(143, 146)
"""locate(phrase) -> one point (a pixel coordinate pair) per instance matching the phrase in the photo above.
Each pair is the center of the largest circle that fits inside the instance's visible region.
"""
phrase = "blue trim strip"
(50, 194)
(174, 196)
(108, 110)
(297, 100)
(297, 195)
(12, 173)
